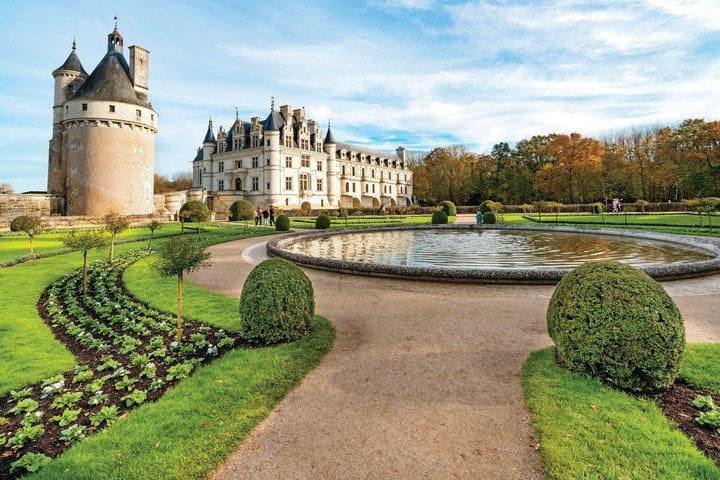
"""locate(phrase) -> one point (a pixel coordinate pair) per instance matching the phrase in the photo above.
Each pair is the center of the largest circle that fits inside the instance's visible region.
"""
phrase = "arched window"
(347, 186)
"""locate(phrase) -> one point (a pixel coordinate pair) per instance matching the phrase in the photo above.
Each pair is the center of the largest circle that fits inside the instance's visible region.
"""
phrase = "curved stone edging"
(497, 275)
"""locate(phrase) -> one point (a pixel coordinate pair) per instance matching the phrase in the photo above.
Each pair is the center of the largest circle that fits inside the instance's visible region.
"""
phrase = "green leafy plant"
(73, 433)
(711, 419)
(16, 395)
(98, 399)
(83, 376)
(25, 435)
(29, 463)
(125, 384)
(67, 400)
(703, 402)
(137, 397)
(26, 405)
(108, 363)
(66, 417)
(178, 372)
(106, 415)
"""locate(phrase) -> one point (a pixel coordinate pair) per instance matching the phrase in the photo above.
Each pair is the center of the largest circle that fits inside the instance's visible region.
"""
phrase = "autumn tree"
(114, 223)
(85, 241)
(447, 173)
(177, 256)
(31, 225)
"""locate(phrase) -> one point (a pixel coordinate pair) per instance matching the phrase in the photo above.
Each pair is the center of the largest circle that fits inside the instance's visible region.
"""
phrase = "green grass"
(691, 223)
(590, 431)
(18, 245)
(364, 221)
(189, 431)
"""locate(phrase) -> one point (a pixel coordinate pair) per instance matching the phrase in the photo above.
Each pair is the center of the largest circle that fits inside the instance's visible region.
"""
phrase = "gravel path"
(423, 379)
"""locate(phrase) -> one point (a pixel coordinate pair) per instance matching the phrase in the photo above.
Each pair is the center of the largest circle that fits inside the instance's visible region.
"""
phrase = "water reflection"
(492, 248)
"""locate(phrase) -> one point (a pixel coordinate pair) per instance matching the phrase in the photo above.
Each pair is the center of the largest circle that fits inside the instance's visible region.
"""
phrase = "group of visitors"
(616, 205)
(265, 217)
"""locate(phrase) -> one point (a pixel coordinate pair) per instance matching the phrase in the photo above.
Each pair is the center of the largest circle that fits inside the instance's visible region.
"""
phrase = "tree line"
(654, 164)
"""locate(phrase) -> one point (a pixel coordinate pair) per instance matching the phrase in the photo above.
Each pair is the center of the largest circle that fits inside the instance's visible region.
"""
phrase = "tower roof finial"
(236, 113)
(116, 19)
(272, 104)
(73, 43)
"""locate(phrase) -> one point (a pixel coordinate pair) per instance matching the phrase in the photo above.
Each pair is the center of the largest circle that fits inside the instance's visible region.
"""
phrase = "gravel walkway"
(423, 379)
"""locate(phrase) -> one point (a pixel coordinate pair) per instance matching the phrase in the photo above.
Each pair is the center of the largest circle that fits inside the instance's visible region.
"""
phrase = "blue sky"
(417, 73)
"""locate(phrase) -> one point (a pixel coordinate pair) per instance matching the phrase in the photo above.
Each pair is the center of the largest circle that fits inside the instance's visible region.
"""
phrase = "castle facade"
(102, 150)
(284, 161)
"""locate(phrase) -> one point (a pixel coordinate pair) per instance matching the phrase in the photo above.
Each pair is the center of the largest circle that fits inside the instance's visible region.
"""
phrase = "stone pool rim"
(541, 276)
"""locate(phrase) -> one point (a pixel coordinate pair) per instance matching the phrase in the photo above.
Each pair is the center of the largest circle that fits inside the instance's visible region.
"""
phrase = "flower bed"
(127, 355)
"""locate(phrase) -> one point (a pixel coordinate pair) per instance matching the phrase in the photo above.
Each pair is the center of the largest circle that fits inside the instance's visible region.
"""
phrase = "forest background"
(655, 164)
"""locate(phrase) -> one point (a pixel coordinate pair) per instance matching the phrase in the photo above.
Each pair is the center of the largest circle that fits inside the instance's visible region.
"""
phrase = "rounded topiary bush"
(486, 206)
(322, 221)
(195, 211)
(448, 207)
(439, 217)
(241, 210)
(613, 322)
(282, 223)
(277, 303)
(489, 217)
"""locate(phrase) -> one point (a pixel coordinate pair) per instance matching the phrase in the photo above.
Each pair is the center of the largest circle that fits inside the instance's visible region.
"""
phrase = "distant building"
(285, 161)
(103, 143)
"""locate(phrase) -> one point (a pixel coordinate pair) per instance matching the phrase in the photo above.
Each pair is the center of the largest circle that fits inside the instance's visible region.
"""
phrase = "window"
(267, 161)
(343, 169)
(373, 188)
(372, 173)
(288, 162)
(288, 142)
(238, 164)
(138, 113)
(256, 183)
(304, 182)
(84, 107)
(353, 187)
(267, 186)
(112, 108)
(305, 161)
(152, 117)
(347, 186)
(221, 166)
(288, 183)
(353, 170)
(319, 183)
(221, 184)
(319, 165)
(287, 202)
(267, 143)
(255, 163)
(238, 184)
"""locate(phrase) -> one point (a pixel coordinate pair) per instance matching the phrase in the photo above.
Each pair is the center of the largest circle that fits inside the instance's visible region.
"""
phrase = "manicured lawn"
(685, 220)
(588, 430)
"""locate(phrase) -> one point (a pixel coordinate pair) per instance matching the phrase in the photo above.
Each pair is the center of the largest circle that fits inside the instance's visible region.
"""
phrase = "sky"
(385, 73)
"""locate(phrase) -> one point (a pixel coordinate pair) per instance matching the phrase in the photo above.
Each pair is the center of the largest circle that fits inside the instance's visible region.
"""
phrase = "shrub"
(277, 303)
(194, 211)
(642, 204)
(490, 206)
(343, 212)
(282, 223)
(595, 208)
(322, 221)
(439, 217)
(526, 208)
(241, 210)
(490, 217)
(448, 207)
(613, 322)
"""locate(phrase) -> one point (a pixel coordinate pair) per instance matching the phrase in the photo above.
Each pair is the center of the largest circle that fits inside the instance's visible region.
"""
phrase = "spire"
(210, 136)
(329, 136)
(74, 44)
(272, 104)
(72, 62)
(237, 116)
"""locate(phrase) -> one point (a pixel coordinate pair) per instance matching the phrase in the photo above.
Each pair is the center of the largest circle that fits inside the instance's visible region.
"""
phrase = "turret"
(115, 41)
(271, 127)
(209, 142)
(333, 187)
(139, 65)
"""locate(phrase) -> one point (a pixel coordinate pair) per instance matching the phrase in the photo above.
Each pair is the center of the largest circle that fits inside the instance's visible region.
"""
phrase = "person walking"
(258, 216)
(272, 215)
(479, 218)
(265, 216)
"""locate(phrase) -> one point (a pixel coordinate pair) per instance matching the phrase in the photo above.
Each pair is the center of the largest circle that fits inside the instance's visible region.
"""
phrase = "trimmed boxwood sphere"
(200, 211)
(486, 206)
(241, 210)
(613, 322)
(282, 223)
(439, 217)
(489, 217)
(277, 303)
(322, 221)
(448, 207)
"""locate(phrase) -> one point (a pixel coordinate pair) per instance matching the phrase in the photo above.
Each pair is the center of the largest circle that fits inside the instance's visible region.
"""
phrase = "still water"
(492, 248)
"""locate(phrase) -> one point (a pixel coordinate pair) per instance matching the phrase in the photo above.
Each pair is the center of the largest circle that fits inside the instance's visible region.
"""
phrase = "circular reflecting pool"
(495, 253)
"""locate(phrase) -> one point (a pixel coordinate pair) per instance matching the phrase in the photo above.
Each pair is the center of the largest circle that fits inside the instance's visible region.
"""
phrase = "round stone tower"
(107, 138)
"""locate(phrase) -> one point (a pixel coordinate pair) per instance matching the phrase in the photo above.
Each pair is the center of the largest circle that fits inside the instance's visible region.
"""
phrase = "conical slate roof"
(110, 81)
(329, 136)
(209, 136)
(72, 63)
(273, 122)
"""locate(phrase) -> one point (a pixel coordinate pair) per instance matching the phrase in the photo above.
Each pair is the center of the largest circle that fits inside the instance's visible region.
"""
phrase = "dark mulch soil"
(677, 405)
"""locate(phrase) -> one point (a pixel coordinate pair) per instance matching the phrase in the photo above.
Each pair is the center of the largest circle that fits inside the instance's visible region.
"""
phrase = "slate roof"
(72, 63)
(329, 136)
(110, 81)
(209, 136)
(274, 121)
(370, 151)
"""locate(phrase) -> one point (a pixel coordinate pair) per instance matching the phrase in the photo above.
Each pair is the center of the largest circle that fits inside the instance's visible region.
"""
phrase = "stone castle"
(102, 148)
(285, 161)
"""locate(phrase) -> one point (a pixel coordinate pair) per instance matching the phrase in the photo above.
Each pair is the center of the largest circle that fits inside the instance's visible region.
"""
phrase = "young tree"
(114, 223)
(179, 255)
(31, 225)
(152, 226)
(85, 241)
